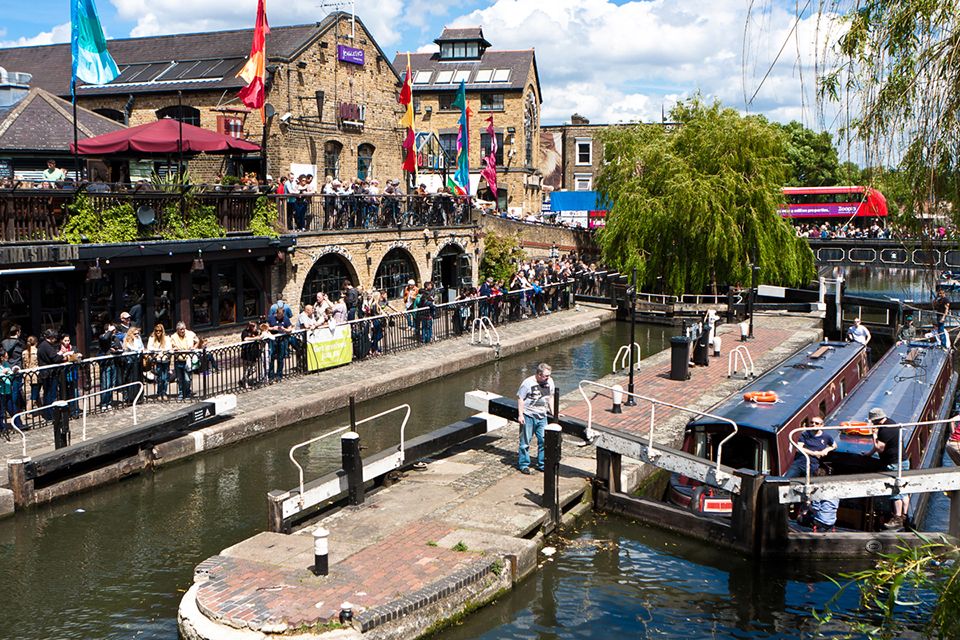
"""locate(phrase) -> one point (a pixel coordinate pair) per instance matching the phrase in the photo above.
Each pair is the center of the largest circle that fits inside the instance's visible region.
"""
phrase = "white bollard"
(744, 331)
(617, 399)
(716, 346)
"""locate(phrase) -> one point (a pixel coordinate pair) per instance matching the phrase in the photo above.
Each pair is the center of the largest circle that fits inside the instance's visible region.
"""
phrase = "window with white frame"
(422, 77)
(463, 74)
(582, 181)
(483, 75)
(584, 151)
(443, 77)
(501, 75)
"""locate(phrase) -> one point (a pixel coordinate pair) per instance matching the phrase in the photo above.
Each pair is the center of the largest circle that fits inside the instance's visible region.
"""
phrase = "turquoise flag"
(460, 180)
(91, 60)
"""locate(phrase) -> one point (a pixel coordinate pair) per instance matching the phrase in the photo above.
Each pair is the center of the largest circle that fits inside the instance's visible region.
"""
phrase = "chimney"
(13, 87)
(578, 119)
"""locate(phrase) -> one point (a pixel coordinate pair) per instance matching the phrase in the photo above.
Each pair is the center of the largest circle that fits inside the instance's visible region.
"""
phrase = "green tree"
(501, 253)
(812, 156)
(697, 205)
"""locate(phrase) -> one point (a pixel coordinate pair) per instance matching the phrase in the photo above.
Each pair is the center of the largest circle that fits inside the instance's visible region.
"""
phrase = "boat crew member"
(942, 308)
(907, 332)
(533, 402)
(886, 442)
(815, 443)
(859, 333)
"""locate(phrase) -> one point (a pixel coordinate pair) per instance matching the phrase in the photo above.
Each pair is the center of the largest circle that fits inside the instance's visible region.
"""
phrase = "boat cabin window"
(823, 407)
(843, 388)
(739, 452)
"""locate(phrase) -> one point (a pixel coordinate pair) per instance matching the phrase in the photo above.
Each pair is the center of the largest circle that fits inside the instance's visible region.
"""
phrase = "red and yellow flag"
(409, 142)
(254, 95)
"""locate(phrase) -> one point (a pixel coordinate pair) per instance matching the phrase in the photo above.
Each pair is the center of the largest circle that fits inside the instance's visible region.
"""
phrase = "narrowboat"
(811, 382)
(913, 382)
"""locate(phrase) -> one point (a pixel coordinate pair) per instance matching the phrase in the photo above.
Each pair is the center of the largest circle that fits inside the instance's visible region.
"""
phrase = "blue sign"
(349, 54)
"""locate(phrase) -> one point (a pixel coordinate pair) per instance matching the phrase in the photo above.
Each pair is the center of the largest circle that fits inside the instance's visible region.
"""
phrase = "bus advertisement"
(833, 202)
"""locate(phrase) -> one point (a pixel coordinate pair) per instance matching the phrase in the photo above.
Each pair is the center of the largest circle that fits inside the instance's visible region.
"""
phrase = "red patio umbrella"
(163, 137)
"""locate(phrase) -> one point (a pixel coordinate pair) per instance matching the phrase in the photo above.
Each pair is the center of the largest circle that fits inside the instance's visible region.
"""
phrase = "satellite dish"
(146, 215)
(269, 110)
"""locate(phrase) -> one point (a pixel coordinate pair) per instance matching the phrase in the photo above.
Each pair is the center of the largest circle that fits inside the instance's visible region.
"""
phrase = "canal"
(114, 562)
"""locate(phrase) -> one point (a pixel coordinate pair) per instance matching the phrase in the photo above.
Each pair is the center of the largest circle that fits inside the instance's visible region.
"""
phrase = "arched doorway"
(451, 271)
(396, 268)
(327, 274)
(365, 161)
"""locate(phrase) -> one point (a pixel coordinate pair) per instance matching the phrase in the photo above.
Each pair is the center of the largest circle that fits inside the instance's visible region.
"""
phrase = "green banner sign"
(328, 348)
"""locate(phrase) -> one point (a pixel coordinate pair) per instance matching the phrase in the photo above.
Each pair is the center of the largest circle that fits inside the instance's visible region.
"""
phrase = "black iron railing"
(198, 374)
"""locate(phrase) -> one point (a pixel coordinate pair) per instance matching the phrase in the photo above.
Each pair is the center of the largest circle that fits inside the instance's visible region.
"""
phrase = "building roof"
(43, 122)
(188, 62)
(467, 34)
(515, 65)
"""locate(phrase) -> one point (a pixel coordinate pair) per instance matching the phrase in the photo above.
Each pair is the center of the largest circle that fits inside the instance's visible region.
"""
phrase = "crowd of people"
(831, 231)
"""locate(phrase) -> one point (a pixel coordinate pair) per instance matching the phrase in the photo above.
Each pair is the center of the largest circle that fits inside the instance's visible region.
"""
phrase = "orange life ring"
(760, 396)
(856, 428)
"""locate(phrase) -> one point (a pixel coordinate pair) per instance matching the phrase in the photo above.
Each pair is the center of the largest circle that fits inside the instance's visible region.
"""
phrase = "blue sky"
(611, 61)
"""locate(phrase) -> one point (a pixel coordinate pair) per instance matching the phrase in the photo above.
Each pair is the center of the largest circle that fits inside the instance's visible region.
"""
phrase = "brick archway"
(327, 274)
(396, 267)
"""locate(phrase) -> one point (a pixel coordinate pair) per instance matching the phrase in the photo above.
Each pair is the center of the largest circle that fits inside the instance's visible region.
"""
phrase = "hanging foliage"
(695, 205)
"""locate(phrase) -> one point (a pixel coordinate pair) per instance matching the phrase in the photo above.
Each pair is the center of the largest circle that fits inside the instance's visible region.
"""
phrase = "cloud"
(60, 33)
(621, 62)
(189, 16)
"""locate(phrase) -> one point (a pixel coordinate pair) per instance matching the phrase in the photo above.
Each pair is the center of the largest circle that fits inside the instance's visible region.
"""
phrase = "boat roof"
(899, 383)
(795, 380)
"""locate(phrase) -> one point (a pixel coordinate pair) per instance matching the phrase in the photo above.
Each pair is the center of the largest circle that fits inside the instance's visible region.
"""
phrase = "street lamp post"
(754, 276)
(633, 331)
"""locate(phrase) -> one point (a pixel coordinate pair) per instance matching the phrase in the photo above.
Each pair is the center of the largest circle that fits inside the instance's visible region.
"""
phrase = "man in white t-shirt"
(534, 402)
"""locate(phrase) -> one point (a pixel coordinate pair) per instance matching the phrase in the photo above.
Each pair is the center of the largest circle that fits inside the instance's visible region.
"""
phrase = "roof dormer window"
(459, 50)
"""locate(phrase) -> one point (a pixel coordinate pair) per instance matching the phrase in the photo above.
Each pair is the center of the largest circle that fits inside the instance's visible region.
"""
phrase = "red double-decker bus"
(829, 203)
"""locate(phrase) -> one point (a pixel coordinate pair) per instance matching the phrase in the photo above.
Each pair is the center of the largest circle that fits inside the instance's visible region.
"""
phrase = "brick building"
(331, 90)
(502, 84)
(571, 155)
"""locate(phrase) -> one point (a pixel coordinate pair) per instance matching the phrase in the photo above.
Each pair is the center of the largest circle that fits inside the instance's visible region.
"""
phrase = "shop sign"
(6, 168)
(349, 55)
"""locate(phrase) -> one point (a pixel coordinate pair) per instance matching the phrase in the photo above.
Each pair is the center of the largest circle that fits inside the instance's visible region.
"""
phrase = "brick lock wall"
(537, 239)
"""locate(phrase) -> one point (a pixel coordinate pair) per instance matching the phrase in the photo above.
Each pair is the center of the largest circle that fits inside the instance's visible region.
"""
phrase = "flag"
(92, 62)
(409, 143)
(254, 95)
(460, 180)
(489, 172)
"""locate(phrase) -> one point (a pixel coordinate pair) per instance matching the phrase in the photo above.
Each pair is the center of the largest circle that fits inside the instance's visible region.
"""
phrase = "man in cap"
(907, 332)
(942, 307)
(887, 445)
(409, 298)
(816, 443)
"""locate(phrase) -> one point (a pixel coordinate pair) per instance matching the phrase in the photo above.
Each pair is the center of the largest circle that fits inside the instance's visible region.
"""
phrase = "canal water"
(114, 562)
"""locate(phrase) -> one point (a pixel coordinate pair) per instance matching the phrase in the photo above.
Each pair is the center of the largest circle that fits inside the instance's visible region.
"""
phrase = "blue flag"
(91, 60)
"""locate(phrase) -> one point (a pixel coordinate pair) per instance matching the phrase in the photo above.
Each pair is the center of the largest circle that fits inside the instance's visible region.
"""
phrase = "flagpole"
(76, 150)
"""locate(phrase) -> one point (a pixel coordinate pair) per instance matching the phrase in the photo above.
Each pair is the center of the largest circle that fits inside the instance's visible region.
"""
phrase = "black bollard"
(553, 440)
(61, 424)
(353, 467)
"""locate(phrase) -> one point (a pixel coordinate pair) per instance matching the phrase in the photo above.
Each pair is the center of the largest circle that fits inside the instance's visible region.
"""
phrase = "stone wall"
(537, 240)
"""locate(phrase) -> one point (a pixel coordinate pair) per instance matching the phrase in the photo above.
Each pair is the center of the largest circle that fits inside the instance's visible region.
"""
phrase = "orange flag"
(254, 95)
(409, 143)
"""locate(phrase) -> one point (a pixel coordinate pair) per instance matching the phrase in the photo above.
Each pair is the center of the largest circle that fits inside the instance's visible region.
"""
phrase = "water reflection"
(917, 285)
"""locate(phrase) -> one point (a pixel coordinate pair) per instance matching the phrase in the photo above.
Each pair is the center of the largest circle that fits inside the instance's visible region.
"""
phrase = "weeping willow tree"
(694, 206)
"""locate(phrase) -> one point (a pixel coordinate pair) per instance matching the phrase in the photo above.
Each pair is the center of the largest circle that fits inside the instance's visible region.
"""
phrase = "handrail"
(23, 436)
(623, 356)
(403, 428)
(484, 325)
(136, 399)
(701, 298)
(737, 353)
(653, 403)
(898, 425)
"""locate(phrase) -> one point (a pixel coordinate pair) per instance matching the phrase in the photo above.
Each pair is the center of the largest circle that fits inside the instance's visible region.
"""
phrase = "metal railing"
(243, 366)
(482, 326)
(140, 391)
(329, 212)
(740, 354)
(400, 449)
(651, 448)
(899, 426)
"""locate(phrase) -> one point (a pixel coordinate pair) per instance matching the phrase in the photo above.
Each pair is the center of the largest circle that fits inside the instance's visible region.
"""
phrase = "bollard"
(716, 346)
(321, 551)
(353, 467)
(61, 424)
(744, 331)
(617, 399)
(679, 358)
(553, 441)
(346, 613)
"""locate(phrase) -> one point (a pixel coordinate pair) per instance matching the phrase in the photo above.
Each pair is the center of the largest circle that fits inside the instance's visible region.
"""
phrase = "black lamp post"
(633, 332)
(754, 276)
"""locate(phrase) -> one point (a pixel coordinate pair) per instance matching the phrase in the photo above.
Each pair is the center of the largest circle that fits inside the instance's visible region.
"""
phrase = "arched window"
(365, 161)
(327, 275)
(395, 270)
(185, 114)
(530, 124)
(113, 114)
(331, 158)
